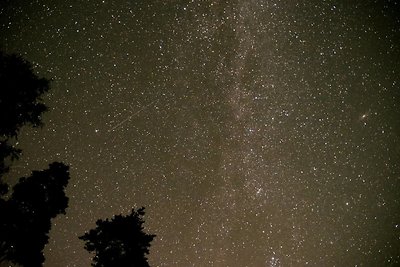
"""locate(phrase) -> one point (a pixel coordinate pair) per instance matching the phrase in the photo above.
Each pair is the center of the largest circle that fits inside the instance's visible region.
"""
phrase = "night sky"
(255, 133)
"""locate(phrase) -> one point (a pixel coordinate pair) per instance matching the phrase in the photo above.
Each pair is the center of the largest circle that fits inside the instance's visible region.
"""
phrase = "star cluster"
(255, 133)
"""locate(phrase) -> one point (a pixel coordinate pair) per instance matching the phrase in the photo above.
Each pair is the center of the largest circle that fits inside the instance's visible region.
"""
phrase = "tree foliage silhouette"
(25, 213)
(20, 102)
(120, 241)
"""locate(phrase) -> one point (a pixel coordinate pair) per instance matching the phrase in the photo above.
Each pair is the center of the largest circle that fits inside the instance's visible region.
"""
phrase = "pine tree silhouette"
(120, 241)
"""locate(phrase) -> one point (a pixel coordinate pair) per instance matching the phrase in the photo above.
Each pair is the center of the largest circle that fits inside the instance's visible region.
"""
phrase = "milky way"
(255, 133)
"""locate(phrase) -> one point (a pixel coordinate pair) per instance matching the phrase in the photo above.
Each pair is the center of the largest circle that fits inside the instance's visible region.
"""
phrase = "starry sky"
(255, 133)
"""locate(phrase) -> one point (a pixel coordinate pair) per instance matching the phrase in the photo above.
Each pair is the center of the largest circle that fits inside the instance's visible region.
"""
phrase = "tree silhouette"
(26, 216)
(120, 241)
(20, 103)
(25, 213)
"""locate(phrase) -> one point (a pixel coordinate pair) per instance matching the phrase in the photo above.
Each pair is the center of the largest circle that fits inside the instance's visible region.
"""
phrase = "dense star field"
(255, 133)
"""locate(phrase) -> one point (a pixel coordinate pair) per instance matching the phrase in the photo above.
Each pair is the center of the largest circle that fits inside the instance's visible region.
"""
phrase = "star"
(254, 132)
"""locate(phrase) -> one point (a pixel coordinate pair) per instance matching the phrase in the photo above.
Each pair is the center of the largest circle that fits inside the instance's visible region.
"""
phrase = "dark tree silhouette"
(20, 103)
(26, 216)
(25, 213)
(119, 242)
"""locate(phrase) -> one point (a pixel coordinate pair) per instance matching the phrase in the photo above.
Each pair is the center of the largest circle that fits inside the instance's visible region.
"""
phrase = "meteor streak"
(132, 115)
